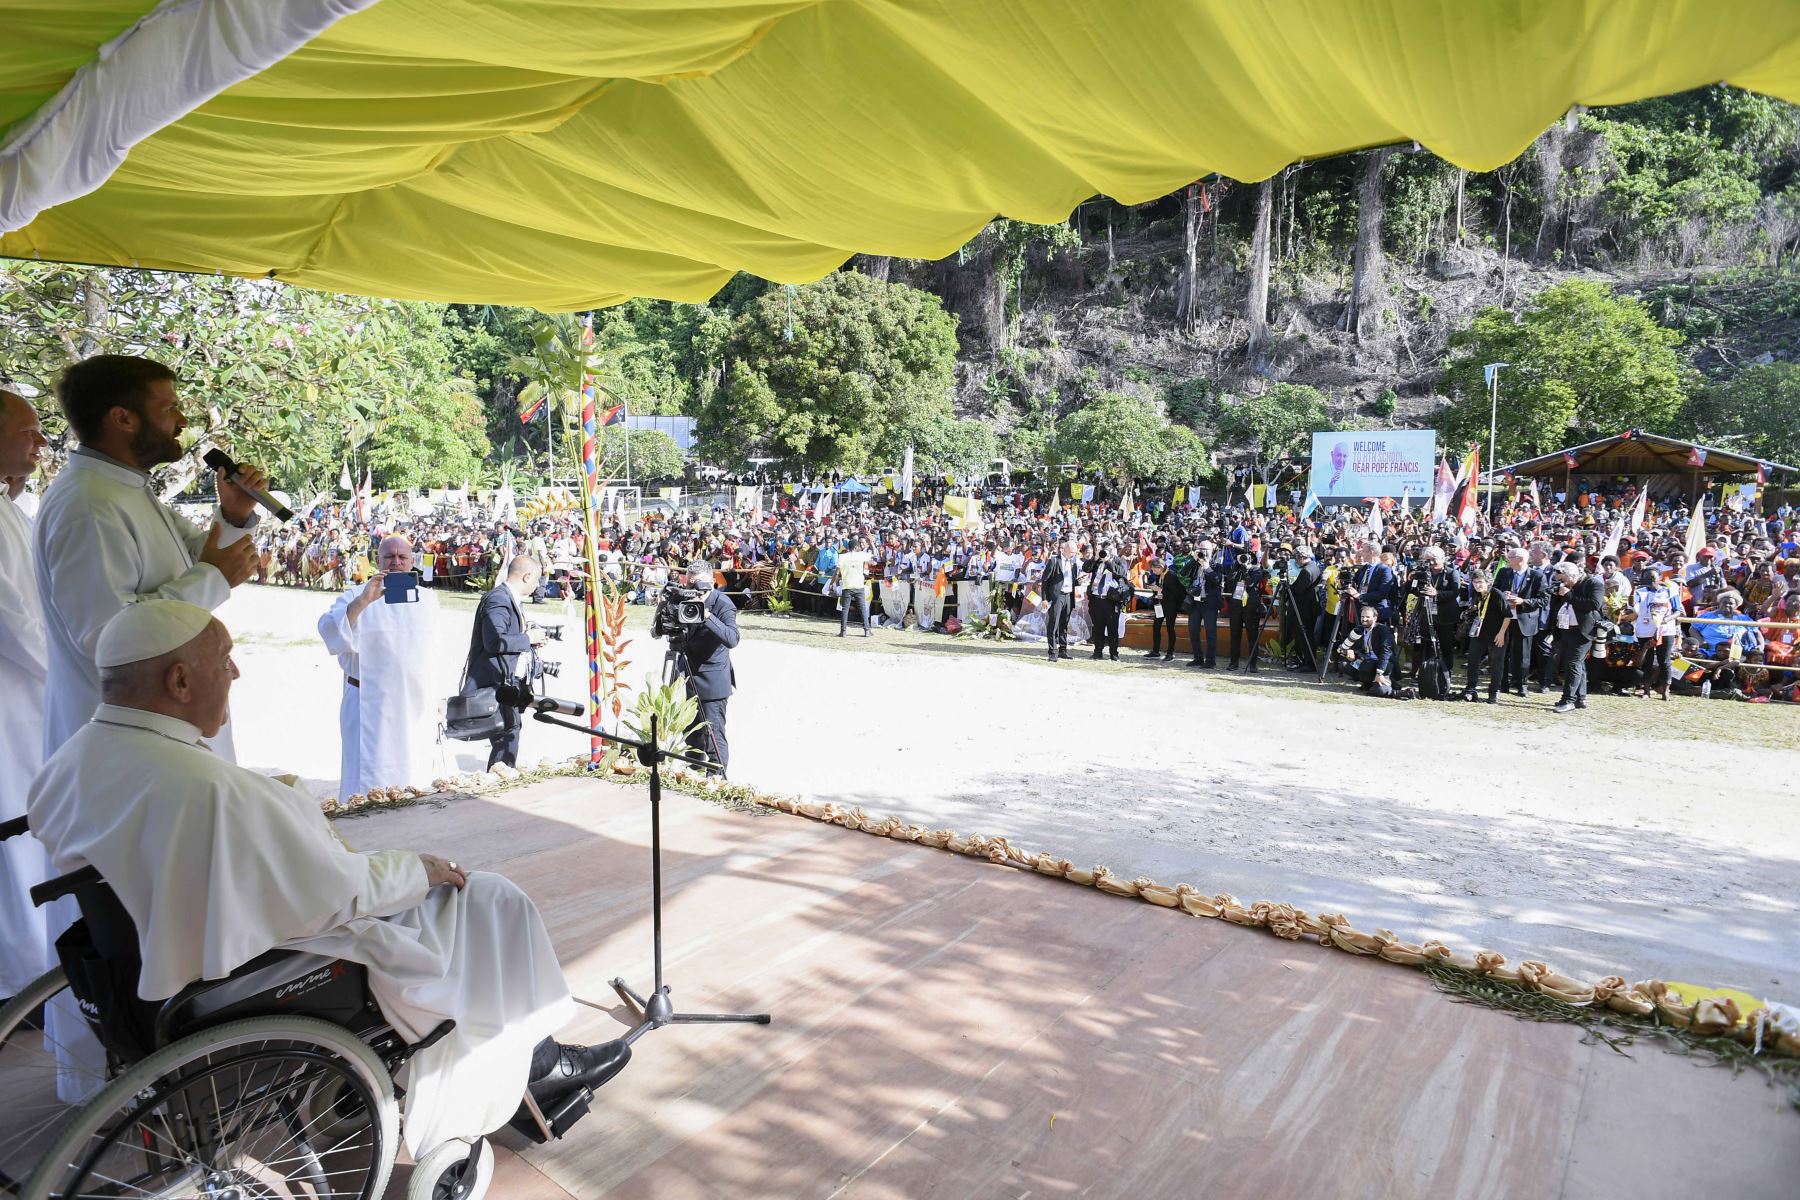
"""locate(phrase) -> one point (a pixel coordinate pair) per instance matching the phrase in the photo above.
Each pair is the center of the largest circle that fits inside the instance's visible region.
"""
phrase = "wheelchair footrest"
(569, 1112)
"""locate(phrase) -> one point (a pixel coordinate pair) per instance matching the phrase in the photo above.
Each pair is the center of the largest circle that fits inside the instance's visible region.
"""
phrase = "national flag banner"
(1696, 456)
(529, 410)
(614, 415)
(1569, 460)
(1312, 503)
(1463, 503)
(1762, 472)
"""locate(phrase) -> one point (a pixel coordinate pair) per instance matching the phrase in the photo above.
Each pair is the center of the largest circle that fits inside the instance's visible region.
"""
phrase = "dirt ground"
(1637, 838)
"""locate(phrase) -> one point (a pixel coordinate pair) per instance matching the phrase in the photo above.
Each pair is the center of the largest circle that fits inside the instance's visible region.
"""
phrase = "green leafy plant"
(780, 601)
(676, 714)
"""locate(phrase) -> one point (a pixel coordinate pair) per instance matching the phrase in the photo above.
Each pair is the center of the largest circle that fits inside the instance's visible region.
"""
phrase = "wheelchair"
(275, 1083)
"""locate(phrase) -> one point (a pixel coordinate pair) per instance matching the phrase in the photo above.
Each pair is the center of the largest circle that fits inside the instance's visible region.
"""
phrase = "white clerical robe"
(103, 539)
(24, 931)
(216, 864)
(388, 717)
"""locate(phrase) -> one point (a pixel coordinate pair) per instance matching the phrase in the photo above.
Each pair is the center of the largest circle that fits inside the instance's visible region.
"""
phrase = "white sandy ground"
(1592, 851)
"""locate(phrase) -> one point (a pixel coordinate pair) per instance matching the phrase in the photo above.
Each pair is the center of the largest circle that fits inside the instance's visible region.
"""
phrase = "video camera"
(679, 611)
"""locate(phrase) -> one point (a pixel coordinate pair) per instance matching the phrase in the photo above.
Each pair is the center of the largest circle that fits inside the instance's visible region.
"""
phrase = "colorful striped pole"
(590, 485)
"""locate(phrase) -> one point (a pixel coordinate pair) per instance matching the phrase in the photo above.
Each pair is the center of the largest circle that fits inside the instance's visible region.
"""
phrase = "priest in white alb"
(103, 538)
(395, 678)
(217, 864)
(24, 930)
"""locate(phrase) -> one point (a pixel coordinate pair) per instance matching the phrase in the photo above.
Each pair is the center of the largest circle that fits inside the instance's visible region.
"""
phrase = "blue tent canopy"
(852, 485)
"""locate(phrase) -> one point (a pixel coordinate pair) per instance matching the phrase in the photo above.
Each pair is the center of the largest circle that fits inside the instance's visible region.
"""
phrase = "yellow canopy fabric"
(567, 154)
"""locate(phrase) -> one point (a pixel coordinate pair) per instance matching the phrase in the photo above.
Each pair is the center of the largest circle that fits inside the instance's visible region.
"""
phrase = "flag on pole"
(1762, 472)
(1405, 500)
(1374, 522)
(344, 480)
(362, 496)
(1444, 488)
(614, 415)
(1696, 534)
(906, 477)
(822, 509)
(1696, 456)
(1535, 503)
(1638, 510)
(1056, 501)
(1611, 549)
(1462, 503)
(528, 409)
(1569, 460)
(1312, 502)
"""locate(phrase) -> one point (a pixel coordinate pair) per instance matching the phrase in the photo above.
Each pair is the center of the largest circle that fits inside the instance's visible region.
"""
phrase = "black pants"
(1543, 666)
(1165, 617)
(1654, 667)
(1056, 625)
(1105, 617)
(1482, 653)
(1246, 621)
(505, 745)
(1204, 619)
(858, 597)
(1365, 675)
(1570, 664)
(1516, 659)
(708, 737)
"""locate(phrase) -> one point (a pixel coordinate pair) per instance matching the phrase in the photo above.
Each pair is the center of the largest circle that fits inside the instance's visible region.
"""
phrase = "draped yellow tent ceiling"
(568, 154)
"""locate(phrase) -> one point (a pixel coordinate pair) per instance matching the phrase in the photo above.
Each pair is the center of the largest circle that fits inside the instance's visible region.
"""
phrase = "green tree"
(438, 440)
(1118, 435)
(566, 357)
(865, 357)
(1756, 411)
(654, 454)
(1185, 457)
(295, 381)
(1582, 362)
(1277, 424)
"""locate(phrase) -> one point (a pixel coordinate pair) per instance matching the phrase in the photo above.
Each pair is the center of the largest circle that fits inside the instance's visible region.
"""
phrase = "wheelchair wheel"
(33, 1109)
(455, 1170)
(230, 1113)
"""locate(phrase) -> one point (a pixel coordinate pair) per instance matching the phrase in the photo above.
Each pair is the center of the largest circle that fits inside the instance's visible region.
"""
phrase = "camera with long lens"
(679, 611)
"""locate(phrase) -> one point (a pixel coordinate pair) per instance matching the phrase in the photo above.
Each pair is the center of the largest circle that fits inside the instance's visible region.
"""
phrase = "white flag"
(906, 477)
(1611, 549)
(1405, 500)
(1696, 534)
(1374, 522)
(1637, 512)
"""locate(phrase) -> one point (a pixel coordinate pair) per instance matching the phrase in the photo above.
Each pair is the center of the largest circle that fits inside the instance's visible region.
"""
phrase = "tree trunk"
(1187, 299)
(875, 266)
(1461, 176)
(94, 310)
(1256, 309)
(1366, 271)
(1109, 239)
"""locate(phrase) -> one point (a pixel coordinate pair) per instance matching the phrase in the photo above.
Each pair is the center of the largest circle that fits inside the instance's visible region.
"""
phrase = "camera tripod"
(658, 1008)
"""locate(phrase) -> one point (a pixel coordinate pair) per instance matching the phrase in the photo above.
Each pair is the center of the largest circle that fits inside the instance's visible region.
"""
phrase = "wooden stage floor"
(945, 1027)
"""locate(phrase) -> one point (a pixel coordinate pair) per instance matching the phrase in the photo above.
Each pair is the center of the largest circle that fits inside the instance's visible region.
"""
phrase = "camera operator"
(701, 625)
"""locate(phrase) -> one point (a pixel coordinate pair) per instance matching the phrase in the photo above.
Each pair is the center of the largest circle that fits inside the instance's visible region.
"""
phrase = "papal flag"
(1696, 534)
(1312, 502)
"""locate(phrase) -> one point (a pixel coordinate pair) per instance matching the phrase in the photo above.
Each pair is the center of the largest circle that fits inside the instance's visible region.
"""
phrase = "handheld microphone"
(568, 708)
(222, 462)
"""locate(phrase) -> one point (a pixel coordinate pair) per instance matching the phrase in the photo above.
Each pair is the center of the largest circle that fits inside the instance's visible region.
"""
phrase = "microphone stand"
(657, 1009)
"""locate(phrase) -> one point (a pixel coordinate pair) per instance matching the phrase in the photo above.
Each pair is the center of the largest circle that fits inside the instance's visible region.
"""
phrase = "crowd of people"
(1536, 598)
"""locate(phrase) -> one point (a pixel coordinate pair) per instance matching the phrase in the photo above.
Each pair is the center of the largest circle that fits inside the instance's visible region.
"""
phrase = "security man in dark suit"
(1206, 592)
(502, 651)
(1062, 575)
(1574, 613)
(703, 657)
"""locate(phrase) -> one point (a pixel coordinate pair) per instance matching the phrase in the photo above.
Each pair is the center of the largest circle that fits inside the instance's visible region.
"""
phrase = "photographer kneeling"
(701, 625)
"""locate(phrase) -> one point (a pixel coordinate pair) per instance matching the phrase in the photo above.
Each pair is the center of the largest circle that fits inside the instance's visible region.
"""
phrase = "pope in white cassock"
(394, 681)
(217, 864)
(24, 932)
(103, 538)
